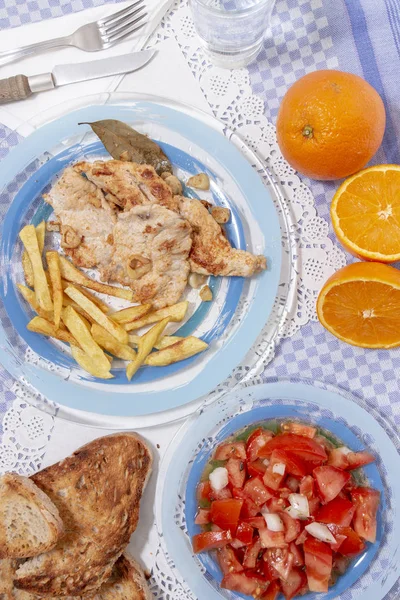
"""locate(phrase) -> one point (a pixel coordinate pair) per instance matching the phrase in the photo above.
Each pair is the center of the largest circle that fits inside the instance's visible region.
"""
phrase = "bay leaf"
(125, 143)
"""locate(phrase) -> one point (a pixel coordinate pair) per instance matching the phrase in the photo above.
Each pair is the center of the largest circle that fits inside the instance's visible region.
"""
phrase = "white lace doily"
(26, 430)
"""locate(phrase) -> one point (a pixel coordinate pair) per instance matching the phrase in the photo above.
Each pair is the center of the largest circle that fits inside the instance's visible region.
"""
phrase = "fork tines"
(120, 24)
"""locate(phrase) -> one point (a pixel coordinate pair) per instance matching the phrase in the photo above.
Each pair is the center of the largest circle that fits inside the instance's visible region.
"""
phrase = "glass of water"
(232, 31)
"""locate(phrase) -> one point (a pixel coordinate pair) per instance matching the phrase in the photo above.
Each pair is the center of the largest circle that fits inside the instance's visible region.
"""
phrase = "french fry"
(88, 306)
(82, 335)
(40, 325)
(126, 315)
(42, 291)
(179, 351)
(175, 313)
(146, 344)
(112, 345)
(89, 364)
(26, 261)
(164, 342)
(102, 305)
(56, 286)
(72, 274)
(30, 297)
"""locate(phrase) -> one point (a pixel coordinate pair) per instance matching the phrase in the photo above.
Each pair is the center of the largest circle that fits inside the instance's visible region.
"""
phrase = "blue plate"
(372, 574)
(230, 324)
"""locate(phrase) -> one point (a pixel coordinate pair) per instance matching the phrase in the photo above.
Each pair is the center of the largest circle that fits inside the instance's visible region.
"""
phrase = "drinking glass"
(232, 31)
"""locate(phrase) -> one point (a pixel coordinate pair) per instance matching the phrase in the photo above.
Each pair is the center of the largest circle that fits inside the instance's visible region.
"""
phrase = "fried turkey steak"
(123, 219)
(211, 252)
(115, 240)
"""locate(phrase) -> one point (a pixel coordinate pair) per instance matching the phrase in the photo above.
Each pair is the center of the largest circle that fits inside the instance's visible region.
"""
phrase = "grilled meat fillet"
(123, 219)
(163, 239)
(115, 241)
(84, 214)
(211, 252)
(128, 184)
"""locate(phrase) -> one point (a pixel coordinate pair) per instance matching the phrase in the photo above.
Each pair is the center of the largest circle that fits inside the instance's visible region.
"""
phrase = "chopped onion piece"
(274, 522)
(266, 461)
(321, 532)
(279, 468)
(300, 504)
(295, 513)
(344, 450)
(219, 478)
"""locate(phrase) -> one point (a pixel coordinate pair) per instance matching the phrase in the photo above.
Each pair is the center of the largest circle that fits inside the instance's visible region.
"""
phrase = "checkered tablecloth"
(362, 36)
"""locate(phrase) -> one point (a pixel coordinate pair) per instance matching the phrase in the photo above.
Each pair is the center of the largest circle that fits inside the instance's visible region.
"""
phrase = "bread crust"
(13, 485)
(97, 491)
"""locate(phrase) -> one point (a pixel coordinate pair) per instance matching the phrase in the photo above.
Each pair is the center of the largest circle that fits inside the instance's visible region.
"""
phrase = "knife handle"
(14, 88)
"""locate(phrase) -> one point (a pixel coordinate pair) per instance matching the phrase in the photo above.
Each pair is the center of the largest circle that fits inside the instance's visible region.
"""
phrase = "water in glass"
(232, 31)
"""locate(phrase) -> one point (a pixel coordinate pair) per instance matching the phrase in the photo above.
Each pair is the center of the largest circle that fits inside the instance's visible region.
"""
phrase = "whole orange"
(330, 124)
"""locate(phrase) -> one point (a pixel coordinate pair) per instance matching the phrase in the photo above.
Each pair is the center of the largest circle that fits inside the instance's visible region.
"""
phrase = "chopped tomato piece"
(244, 533)
(203, 517)
(257, 522)
(272, 539)
(314, 505)
(256, 441)
(256, 468)
(256, 490)
(294, 465)
(359, 459)
(225, 513)
(352, 545)
(272, 480)
(337, 458)
(292, 527)
(227, 561)
(237, 582)
(203, 490)
(339, 542)
(302, 447)
(330, 481)
(223, 494)
(298, 556)
(236, 472)
(249, 509)
(318, 560)
(302, 537)
(307, 487)
(275, 505)
(202, 542)
(238, 545)
(251, 555)
(366, 501)
(231, 450)
(281, 560)
(349, 461)
(294, 583)
(272, 592)
(300, 429)
(339, 511)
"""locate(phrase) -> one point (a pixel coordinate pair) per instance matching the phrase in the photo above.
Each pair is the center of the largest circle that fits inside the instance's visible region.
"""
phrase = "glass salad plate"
(241, 309)
(371, 575)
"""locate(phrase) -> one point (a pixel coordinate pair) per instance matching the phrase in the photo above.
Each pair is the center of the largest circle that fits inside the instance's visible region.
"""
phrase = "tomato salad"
(283, 510)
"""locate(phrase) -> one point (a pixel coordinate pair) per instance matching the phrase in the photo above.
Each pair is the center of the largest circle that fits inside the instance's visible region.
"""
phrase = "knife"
(21, 87)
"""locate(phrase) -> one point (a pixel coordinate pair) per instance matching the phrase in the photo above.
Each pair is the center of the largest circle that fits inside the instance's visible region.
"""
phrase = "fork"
(99, 35)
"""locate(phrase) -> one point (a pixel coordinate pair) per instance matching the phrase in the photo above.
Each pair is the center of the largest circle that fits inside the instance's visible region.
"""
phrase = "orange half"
(360, 305)
(365, 213)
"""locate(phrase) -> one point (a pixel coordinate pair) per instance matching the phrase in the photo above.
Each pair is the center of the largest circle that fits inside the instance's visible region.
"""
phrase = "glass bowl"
(373, 574)
(232, 323)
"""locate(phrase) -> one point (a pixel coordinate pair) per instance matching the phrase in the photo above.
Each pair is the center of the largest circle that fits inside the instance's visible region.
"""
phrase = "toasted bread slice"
(6, 579)
(29, 522)
(97, 491)
(127, 582)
